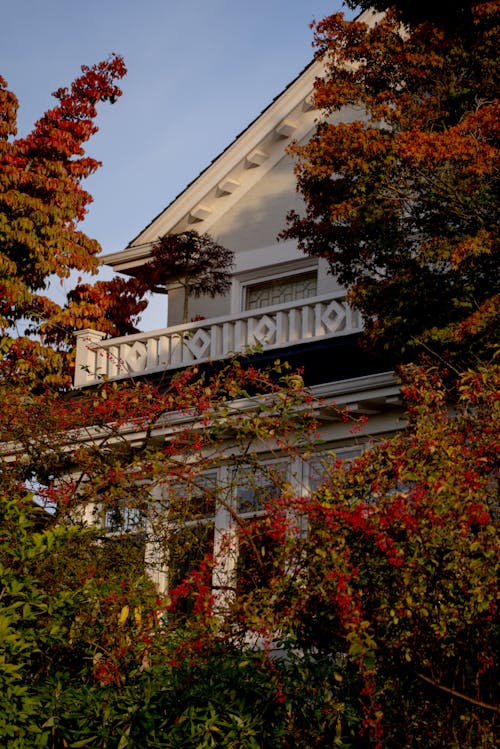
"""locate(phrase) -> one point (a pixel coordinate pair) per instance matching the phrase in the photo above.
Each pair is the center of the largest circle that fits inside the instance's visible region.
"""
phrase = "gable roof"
(245, 161)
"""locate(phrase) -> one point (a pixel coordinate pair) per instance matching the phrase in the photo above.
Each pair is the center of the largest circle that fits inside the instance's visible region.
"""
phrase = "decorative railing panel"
(183, 345)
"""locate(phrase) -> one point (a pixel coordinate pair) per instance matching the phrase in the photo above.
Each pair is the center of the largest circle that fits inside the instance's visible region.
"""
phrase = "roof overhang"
(253, 153)
(291, 116)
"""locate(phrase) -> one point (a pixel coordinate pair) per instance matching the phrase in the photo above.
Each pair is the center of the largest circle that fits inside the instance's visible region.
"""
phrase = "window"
(257, 486)
(190, 539)
(123, 519)
(222, 514)
(188, 547)
(194, 500)
(258, 557)
(280, 290)
(319, 466)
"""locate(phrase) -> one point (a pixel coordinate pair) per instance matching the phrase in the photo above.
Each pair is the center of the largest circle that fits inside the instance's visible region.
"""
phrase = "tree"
(113, 307)
(379, 589)
(41, 204)
(385, 610)
(402, 200)
(195, 261)
(444, 13)
(395, 587)
(84, 635)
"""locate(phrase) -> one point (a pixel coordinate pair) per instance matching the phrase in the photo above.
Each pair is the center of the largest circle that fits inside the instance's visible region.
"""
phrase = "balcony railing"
(180, 346)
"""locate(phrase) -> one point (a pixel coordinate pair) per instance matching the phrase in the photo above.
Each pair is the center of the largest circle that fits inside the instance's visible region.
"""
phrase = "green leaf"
(83, 742)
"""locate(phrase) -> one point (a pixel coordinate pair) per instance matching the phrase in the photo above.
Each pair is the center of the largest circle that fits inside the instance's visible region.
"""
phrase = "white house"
(285, 303)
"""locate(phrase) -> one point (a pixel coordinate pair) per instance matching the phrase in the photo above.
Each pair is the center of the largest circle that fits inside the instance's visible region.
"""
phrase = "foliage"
(401, 198)
(150, 604)
(377, 627)
(85, 634)
(113, 307)
(195, 261)
(42, 202)
(444, 13)
(213, 699)
(42, 199)
(41, 196)
(34, 620)
(396, 581)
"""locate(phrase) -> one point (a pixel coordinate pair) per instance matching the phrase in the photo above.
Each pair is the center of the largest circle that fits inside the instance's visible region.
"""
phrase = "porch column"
(87, 344)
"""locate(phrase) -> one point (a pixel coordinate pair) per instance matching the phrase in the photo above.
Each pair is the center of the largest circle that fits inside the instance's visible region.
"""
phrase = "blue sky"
(199, 72)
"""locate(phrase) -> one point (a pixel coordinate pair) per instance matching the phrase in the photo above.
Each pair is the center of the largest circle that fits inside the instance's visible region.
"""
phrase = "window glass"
(122, 519)
(281, 290)
(193, 500)
(256, 487)
(321, 464)
(259, 557)
(188, 547)
(258, 550)
(192, 506)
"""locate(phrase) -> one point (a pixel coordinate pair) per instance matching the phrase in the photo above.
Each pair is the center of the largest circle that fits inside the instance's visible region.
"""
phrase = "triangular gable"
(236, 171)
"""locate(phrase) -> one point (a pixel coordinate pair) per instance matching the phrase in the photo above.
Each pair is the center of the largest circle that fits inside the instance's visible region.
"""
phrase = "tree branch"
(456, 694)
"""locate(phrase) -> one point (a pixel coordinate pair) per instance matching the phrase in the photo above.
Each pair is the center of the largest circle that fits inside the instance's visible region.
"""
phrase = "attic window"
(281, 290)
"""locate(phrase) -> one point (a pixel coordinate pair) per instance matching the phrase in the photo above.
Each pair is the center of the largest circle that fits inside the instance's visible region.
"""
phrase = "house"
(281, 302)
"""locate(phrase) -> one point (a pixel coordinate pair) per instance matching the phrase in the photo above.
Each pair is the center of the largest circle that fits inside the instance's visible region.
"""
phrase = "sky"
(199, 71)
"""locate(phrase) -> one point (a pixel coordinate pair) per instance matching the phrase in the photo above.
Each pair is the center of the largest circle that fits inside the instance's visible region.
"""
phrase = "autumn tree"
(444, 13)
(113, 307)
(84, 632)
(42, 202)
(402, 200)
(394, 589)
(196, 262)
(379, 588)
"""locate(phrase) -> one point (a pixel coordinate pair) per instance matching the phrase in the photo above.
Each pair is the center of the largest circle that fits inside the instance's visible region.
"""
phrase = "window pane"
(187, 548)
(193, 500)
(258, 556)
(281, 290)
(254, 488)
(191, 511)
(123, 519)
(201, 502)
(320, 465)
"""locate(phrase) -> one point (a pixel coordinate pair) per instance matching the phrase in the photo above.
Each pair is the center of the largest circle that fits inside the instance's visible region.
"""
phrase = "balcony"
(181, 346)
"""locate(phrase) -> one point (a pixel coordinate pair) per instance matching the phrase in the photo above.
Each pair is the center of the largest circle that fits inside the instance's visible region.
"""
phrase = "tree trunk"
(186, 303)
